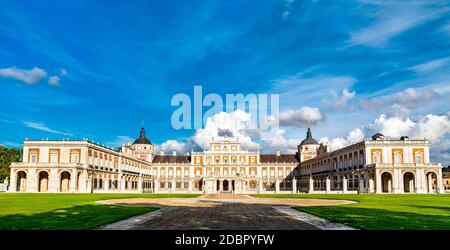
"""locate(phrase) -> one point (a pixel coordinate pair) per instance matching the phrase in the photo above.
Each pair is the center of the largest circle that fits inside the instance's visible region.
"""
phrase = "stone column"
(260, 186)
(119, 178)
(190, 183)
(53, 181)
(311, 185)
(361, 186)
(328, 185)
(430, 183)
(122, 183)
(294, 185)
(439, 184)
(105, 183)
(129, 183)
(344, 185)
(73, 180)
(378, 182)
(371, 185)
(156, 186)
(221, 185)
(139, 189)
(173, 186)
(12, 183)
(277, 186)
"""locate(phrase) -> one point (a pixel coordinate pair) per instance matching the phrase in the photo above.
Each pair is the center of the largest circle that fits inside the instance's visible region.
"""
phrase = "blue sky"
(101, 67)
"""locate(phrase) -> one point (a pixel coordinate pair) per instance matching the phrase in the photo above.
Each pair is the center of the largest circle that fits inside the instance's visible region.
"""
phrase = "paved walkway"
(227, 212)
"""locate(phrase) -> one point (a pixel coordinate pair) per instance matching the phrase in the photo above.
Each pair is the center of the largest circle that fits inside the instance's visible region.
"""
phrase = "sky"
(101, 69)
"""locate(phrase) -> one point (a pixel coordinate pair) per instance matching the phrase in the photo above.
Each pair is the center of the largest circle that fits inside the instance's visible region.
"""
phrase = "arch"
(64, 181)
(431, 182)
(225, 185)
(386, 182)
(43, 181)
(409, 184)
(21, 181)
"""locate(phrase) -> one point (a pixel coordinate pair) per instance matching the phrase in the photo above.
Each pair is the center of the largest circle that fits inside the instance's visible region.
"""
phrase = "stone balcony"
(412, 165)
(45, 165)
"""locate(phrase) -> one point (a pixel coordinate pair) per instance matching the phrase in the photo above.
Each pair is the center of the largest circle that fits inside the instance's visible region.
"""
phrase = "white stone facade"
(370, 166)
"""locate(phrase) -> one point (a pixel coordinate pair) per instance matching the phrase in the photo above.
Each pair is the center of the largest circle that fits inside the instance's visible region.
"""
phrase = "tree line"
(7, 155)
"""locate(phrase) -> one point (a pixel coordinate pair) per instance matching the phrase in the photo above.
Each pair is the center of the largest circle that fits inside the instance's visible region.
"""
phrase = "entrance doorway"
(225, 185)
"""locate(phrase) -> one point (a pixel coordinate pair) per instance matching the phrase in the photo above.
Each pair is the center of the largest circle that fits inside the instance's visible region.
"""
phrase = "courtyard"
(228, 212)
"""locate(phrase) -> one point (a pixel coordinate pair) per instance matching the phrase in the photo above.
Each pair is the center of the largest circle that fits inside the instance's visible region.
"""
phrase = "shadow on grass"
(81, 217)
(381, 219)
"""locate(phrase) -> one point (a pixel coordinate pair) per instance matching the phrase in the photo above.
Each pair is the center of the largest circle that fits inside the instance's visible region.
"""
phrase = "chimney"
(162, 153)
(278, 153)
(174, 153)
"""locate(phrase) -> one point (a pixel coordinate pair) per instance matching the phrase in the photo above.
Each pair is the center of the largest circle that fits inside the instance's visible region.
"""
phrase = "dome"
(309, 139)
(142, 138)
(378, 136)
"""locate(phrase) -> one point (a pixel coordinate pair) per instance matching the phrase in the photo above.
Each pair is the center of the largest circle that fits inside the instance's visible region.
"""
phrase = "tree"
(7, 155)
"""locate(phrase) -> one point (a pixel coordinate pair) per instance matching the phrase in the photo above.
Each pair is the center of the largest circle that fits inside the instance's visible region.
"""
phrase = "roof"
(309, 139)
(172, 159)
(142, 138)
(273, 158)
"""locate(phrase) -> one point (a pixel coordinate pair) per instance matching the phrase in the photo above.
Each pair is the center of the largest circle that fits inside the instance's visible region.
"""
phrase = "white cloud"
(432, 127)
(305, 116)
(288, 7)
(430, 65)
(43, 127)
(354, 136)
(341, 101)
(235, 122)
(31, 76)
(276, 139)
(221, 125)
(173, 145)
(411, 97)
(54, 81)
(392, 126)
(402, 103)
(63, 72)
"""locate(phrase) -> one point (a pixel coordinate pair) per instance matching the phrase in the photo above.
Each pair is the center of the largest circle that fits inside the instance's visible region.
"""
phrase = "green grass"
(387, 212)
(67, 211)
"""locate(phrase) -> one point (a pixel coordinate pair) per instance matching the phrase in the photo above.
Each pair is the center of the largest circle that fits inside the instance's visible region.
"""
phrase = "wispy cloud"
(43, 127)
(120, 140)
(391, 18)
(431, 65)
(31, 76)
(296, 90)
(11, 144)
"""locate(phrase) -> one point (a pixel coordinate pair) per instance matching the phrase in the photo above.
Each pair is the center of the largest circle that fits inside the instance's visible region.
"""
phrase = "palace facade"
(375, 165)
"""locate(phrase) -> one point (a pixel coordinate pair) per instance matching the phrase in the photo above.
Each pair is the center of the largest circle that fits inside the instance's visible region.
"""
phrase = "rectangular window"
(53, 156)
(33, 155)
(74, 156)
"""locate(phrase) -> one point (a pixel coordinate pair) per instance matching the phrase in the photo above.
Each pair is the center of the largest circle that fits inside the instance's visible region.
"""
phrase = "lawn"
(67, 211)
(388, 212)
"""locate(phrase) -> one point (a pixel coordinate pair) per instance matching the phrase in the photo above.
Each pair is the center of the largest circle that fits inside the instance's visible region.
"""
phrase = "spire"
(142, 133)
(308, 133)
(309, 139)
(142, 138)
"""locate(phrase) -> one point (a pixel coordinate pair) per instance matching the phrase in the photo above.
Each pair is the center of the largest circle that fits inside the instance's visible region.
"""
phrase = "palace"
(375, 165)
